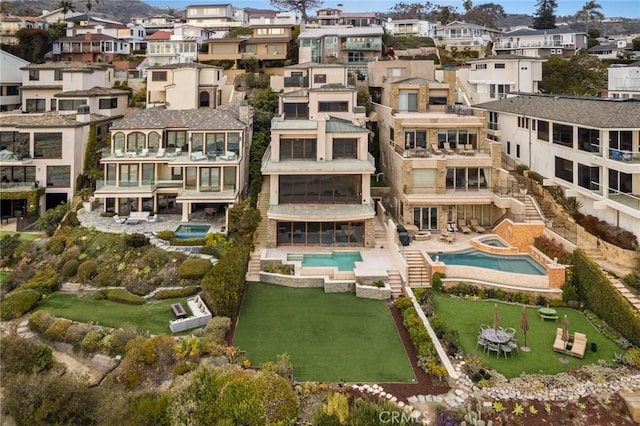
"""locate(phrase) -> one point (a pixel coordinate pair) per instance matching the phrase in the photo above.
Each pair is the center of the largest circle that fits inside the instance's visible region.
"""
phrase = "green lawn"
(153, 315)
(330, 337)
(467, 316)
(24, 236)
(3, 276)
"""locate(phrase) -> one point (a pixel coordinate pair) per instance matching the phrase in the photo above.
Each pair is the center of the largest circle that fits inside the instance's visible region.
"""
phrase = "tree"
(467, 5)
(33, 44)
(444, 14)
(302, 6)
(545, 18)
(485, 14)
(588, 13)
(66, 6)
(580, 75)
(89, 5)
(636, 43)
(410, 10)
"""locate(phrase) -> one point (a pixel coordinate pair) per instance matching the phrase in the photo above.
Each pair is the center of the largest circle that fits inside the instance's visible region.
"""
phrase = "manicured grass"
(153, 315)
(466, 317)
(24, 236)
(330, 337)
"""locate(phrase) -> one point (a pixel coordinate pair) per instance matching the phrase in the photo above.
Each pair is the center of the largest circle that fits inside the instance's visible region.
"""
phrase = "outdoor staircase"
(380, 235)
(395, 281)
(263, 207)
(417, 273)
(531, 213)
(253, 270)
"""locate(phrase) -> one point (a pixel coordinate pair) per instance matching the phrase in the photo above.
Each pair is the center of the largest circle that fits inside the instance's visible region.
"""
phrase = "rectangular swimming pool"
(192, 231)
(519, 264)
(343, 260)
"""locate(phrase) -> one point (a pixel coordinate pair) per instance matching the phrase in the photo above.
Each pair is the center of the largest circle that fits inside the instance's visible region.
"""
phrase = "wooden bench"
(178, 310)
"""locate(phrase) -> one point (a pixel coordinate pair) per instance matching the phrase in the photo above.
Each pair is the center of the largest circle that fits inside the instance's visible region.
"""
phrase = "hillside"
(119, 10)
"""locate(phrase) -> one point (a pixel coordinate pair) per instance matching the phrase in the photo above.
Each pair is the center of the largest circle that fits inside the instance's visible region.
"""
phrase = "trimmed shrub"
(44, 281)
(120, 338)
(121, 295)
(17, 303)
(87, 271)
(57, 329)
(135, 240)
(609, 233)
(156, 257)
(71, 219)
(553, 249)
(217, 328)
(76, 332)
(166, 235)
(139, 287)
(194, 268)
(278, 268)
(106, 278)
(186, 242)
(56, 245)
(25, 356)
(70, 268)
(40, 321)
(604, 299)
(436, 282)
(70, 253)
(92, 341)
(176, 292)
(224, 284)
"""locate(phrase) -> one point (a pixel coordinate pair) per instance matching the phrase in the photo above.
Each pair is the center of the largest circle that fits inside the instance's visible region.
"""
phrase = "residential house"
(178, 161)
(272, 17)
(10, 80)
(608, 50)
(179, 45)
(435, 156)
(132, 34)
(494, 77)
(336, 16)
(220, 17)
(65, 86)
(154, 23)
(541, 43)
(351, 46)
(317, 171)
(588, 147)
(90, 47)
(624, 81)
(40, 157)
(57, 15)
(460, 36)
(185, 86)
(308, 76)
(10, 25)
(266, 43)
(411, 27)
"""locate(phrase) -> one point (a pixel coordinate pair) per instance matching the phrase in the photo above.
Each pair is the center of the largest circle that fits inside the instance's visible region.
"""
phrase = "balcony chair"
(462, 226)
(118, 153)
(144, 152)
(435, 149)
(160, 153)
(197, 156)
(447, 148)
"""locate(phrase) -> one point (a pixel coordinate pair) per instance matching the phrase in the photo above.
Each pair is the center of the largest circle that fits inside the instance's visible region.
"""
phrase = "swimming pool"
(192, 231)
(520, 264)
(343, 260)
(494, 242)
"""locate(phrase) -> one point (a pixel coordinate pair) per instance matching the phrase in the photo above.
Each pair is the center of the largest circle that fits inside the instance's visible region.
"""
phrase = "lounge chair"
(119, 220)
(462, 226)
(559, 344)
(435, 149)
(443, 235)
(228, 156)
(197, 156)
(144, 152)
(160, 153)
(579, 345)
(468, 149)
(118, 153)
(447, 148)
(476, 226)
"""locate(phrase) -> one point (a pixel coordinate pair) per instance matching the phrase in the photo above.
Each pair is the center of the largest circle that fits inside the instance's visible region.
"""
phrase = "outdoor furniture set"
(500, 341)
(134, 218)
(574, 345)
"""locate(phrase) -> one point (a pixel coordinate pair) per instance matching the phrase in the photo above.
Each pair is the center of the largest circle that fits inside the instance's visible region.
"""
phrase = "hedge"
(17, 303)
(121, 295)
(194, 268)
(44, 281)
(177, 292)
(604, 299)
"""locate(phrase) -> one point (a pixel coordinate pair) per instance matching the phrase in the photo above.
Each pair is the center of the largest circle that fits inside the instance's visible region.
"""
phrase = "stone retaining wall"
(291, 280)
(338, 286)
(371, 292)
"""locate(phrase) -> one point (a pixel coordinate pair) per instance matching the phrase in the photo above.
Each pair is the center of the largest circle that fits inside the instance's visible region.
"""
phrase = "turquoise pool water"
(192, 231)
(343, 260)
(520, 264)
(493, 242)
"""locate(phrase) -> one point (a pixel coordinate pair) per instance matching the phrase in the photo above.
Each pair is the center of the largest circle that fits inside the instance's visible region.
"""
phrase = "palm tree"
(589, 12)
(66, 6)
(89, 5)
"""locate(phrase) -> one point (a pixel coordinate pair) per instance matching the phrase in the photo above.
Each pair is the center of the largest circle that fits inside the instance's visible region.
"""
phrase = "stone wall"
(552, 294)
(291, 280)
(339, 287)
(370, 292)
(520, 235)
(611, 252)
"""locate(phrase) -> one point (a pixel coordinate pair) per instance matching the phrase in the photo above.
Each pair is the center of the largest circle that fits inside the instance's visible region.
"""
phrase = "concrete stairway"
(253, 270)
(417, 274)
(395, 281)
(531, 214)
(380, 235)
(263, 207)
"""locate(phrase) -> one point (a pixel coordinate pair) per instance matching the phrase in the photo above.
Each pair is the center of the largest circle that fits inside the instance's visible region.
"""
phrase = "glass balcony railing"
(624, 155)
(296, 82)
(629, 200)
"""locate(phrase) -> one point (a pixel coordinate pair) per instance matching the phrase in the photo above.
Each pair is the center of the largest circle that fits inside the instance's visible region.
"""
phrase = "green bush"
(71, 253)
(135, 240)
(604, 299)
(553, 249)
(57, 329)
(76, 332)
(166, 235)
(40, 321)
(107, 214)
(25, 356)
(187, 242)
(536, 176)
(194, 268)
(92, 341)
(56, 244)
(44, 281)
(71, 219)
(70, 268)
(609, 233)
(87, 271)
(106, 278)
(17, 303)
(121, 295)
(520, 168)
(156, 257)
(224, 284)
(278, 268)
(176, 292)
(436, 282)
(217, 328)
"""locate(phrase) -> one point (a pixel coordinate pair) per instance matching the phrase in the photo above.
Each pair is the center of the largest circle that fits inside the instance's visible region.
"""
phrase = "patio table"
(499, 337)
(548, 313)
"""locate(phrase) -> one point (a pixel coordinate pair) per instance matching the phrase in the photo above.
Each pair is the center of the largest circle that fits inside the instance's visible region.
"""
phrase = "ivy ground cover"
(329, 336)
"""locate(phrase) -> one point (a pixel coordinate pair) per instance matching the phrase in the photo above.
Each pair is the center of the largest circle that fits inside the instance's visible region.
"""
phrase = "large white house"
(624, 81)
(10, 80)
(590, 147)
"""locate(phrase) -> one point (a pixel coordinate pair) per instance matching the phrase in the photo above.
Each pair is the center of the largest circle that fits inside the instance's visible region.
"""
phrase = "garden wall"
(371, 292)
(611, 252)
(200, 315)
(339, 286)
(291, 280)
(552, 294)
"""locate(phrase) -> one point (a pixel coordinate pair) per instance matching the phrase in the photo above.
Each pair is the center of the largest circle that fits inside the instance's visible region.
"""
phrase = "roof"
(181, 65)
(193, 119)
(338, 125)
(603, 47)
(333, 87)
(453, 24)
(94, 91)
(87, 37)
(341, 31)
(532, 32)
(603, 113)
(256, 40)
(506, 57)
(160, 35)
(359, 15)
(416, 80)
(68, 66)
(51, 119)
(306, 65)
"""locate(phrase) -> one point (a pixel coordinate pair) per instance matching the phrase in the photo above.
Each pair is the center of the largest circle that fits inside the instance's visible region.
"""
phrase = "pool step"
(417, 273)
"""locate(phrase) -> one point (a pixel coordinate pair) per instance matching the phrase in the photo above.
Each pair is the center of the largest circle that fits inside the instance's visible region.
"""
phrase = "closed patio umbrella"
(524, 325)
(565, 328)
(496, 325)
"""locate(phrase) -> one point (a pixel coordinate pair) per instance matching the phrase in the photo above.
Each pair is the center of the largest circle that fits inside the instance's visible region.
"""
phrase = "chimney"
(83, 115)
(245, 112)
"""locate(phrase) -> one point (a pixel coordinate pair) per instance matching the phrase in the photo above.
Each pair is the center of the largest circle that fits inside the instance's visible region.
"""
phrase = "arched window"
(204, 99)
(154, 141)
(135, 142)
(118, 141)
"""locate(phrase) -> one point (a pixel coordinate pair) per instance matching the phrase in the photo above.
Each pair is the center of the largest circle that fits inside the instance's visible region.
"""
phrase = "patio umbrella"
(565, 328)
(524, 325)
(495, 317)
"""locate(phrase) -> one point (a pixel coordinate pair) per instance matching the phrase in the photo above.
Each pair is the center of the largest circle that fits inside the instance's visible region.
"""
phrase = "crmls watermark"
(400, 417)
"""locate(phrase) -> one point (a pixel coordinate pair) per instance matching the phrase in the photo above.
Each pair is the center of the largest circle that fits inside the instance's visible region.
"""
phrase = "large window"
(620, 182)
(135, 142)
(620, 140)
(109, 103)
(197, 142)
(329, 189)
(158, 76)
(589, 177)
(564, 169)
(148, 173)
(408, 102)
(321, 233)
(233, 143)
(543, 130)
(59, 176)
(209, 179)
(204, 99)
(345, 148)
(320, 78)
(118, 141)
(176, 138)
(425, 217)
(438, 100)
(298, 149)
(457, 137)
(498, 91)
(47, 145)
(153, 141)
(70, 104)
(36, 105)
(415, 139)
(588, 140)
(333, 106)
(128, 175)
(467, 179)
(424, 178)
(18, 174)
(34, 75)
(15, 142)
(229, 179)
(563, 135)
(215, 143)
(296, 111)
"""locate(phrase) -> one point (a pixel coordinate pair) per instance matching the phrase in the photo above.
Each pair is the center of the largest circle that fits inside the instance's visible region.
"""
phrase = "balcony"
(17, 186)
(532, 43)
(296, 81)
(624, 155)
(376, 46)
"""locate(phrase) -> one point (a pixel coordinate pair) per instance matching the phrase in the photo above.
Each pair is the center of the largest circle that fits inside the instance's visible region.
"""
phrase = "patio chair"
(435, 149)
(506, 349)
(513, 344)
(119, 220)
(476, 226)
(481, 342)
(447, 148)
(510, 331)
(118, 153)
(160, 153)
(492, 347)
(451, 237)
(144, 152)
(443, 235)
(462, 226)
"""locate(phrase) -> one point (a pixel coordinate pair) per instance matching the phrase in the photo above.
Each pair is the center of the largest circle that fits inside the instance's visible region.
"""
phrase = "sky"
(610, 8)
